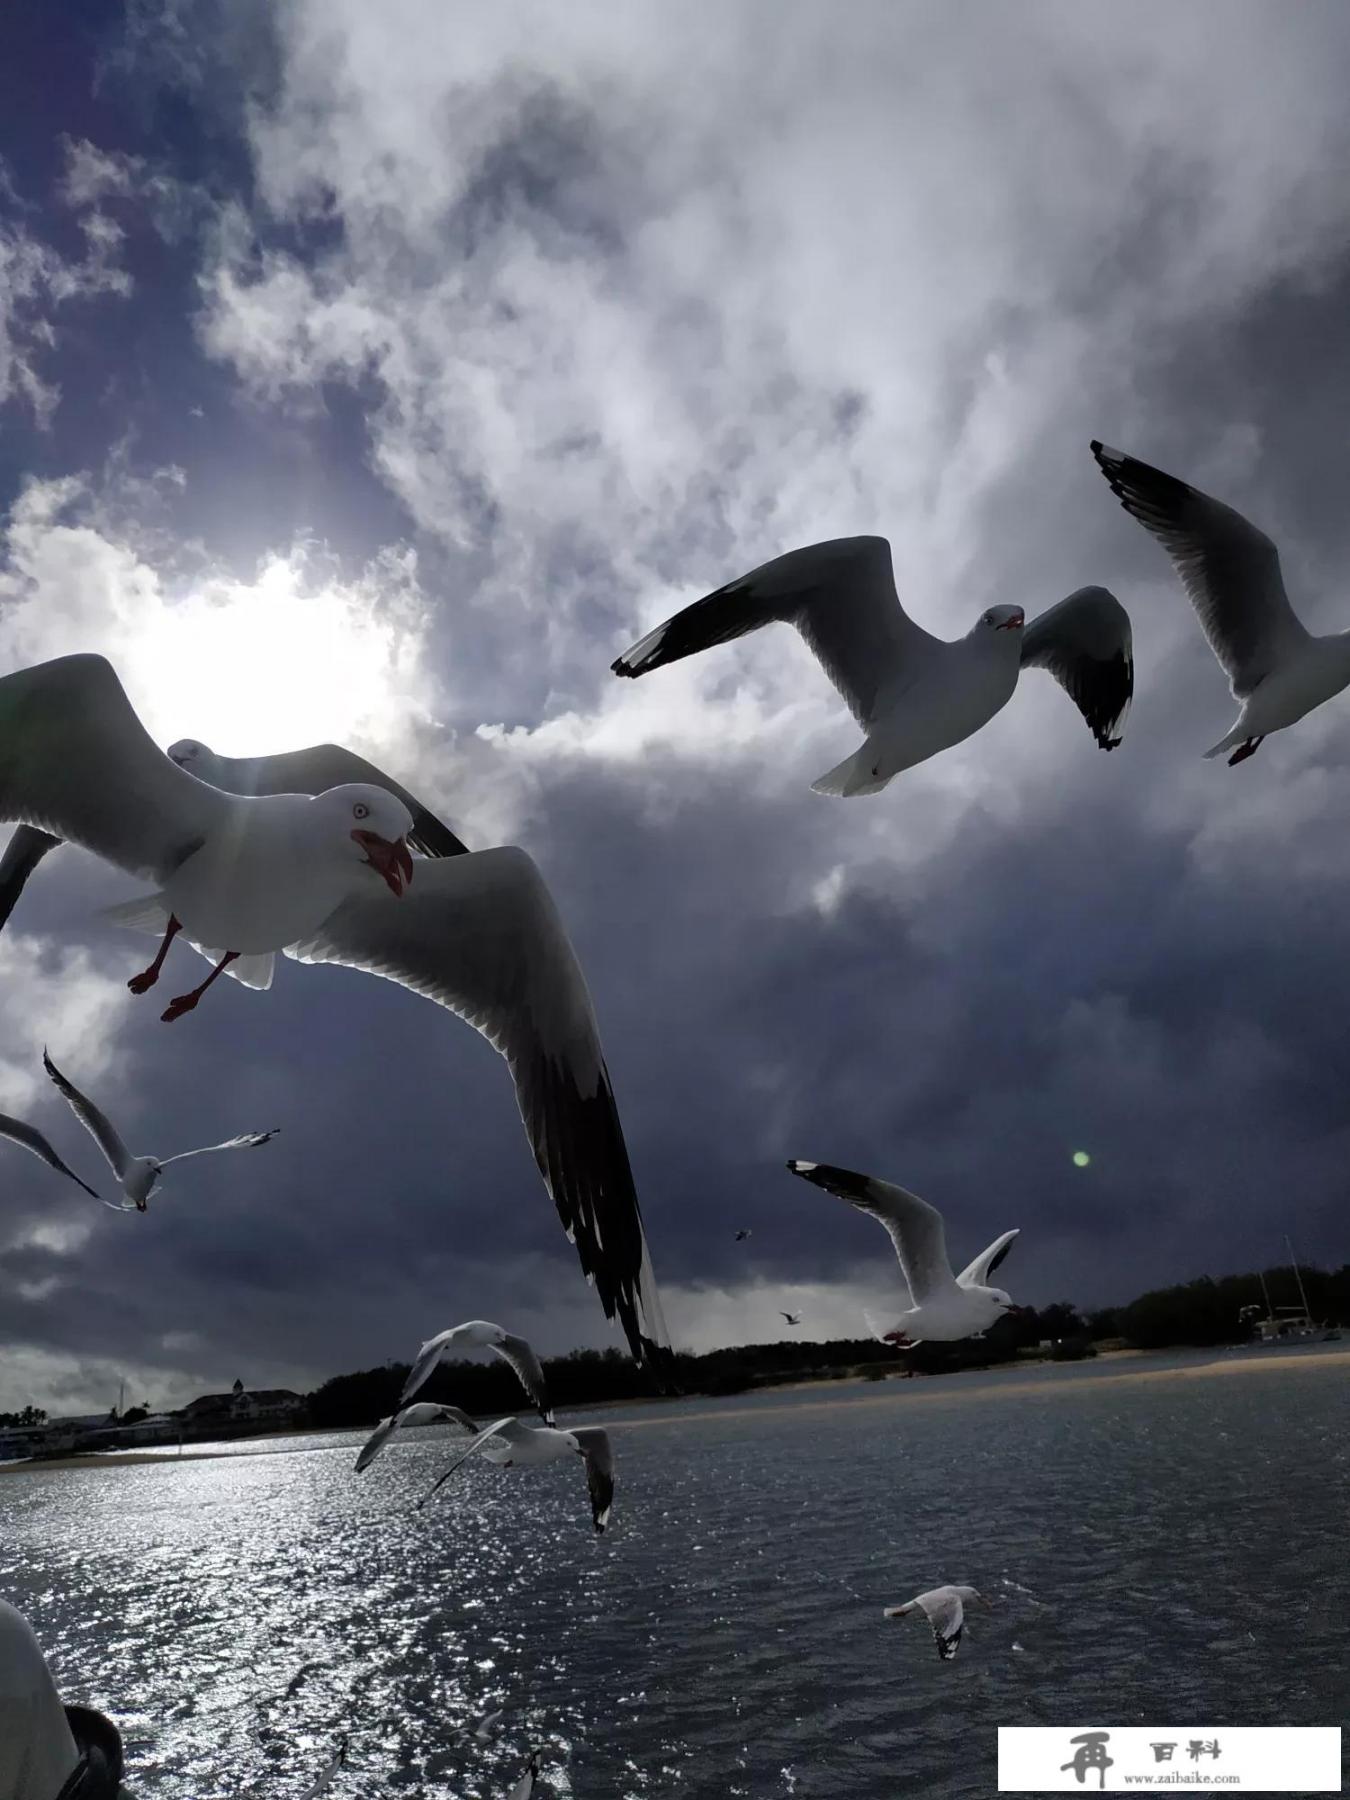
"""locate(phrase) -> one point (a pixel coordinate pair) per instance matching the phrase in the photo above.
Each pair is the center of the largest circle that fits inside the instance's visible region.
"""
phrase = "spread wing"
(840, 595)
(978, 1273)
(324, 766)
(595, 1448)
(1085, 643)
(914, 1226)
(1230, 570)
(77, 762)
(32, 1139)
(25, 850)
(947, 1616)
(464, 1456)
(96, 1123)
(529, 1373)
(480, 935)
(248, 1141)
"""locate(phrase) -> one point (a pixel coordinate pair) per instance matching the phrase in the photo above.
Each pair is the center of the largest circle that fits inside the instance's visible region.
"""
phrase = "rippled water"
(1166, 1549)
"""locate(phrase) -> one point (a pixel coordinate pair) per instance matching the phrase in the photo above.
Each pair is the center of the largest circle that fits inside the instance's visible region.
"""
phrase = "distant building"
(266, 1409)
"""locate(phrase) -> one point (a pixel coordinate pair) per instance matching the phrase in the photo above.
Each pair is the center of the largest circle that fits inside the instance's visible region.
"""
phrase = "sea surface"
(1160, 1546)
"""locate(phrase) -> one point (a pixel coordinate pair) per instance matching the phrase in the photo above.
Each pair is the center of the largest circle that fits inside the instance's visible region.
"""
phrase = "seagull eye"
(360, 810)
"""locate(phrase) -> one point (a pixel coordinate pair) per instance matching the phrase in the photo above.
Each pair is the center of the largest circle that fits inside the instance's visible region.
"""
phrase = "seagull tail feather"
(856, 775)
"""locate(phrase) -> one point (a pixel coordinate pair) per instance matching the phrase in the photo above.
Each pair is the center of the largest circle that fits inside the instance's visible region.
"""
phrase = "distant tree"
(31, 1415)
(135, 1414)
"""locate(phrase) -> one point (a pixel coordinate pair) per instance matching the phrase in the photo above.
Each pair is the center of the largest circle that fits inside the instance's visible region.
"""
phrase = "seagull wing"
(841, 597)
(76, 761)
(978, 1273)
(23, 853)
(464, 1455)
(1230, 570)
(480, 935)
(915, 1227)
(329, 1774)
(427, 1358)
(594, 1446)
(32, 1139)
(376, 1442)
(523, 1360)
(324, 766)
(248, 1141)
(1085, 643)
(96, 1123)
(947, 1616)
(524, 1788)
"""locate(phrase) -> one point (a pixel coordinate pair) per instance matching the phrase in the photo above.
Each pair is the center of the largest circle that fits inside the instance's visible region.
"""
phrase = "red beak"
(392, 860)
(1014, 624)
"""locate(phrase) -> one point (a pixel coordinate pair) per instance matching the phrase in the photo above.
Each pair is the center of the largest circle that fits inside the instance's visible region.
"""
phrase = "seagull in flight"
(137, 1174)
(741, 1236)
(912, 693)
(944, 1608)
(403, 1419)
(311, 771)
(946, 1307)
(1278, 670)
(479, 1334)
(792, 1318)
(510, 1444)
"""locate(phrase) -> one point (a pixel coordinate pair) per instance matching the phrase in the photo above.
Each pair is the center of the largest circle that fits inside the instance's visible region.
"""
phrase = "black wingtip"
(621, 667)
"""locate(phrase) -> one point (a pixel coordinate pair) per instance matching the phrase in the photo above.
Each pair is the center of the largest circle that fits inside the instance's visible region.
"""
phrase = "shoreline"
(902, 1393)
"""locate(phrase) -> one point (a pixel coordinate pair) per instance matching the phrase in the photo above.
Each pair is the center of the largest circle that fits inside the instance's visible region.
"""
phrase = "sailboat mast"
(1298, 1277)
(1265, 1294)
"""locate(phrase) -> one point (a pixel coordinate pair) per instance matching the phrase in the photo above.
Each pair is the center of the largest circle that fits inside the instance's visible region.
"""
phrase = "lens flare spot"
(1081, 1159)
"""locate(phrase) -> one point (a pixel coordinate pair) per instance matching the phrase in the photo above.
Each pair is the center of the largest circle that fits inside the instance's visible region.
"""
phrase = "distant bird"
(485, 1728)
(511, 1444)
(32, 1139)
(741, 1236)
(137, 1174)
(912, 693)
(479, 1334)
(793, 1318)
(311, 771)
(944, 1608)
(483, 939)
(525, 1786)
(1278, 670)
(402, 1420)
(946, 1307)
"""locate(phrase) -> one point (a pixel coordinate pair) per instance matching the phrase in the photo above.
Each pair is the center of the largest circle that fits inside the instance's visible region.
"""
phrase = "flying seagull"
(248, 875)
(524, 1788)
(137, 1174)
(311, 771)
(478, 1334)
(946, 1306)
(32, 1139)
(484, 938)
(792, 1318)
(510, 1444)
(741, 1236)
(401, 1420)
(1277, 669)
(912, 693)
(944, 1608)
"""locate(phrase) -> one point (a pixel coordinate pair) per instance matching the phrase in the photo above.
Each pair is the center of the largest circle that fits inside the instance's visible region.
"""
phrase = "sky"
(380, 373)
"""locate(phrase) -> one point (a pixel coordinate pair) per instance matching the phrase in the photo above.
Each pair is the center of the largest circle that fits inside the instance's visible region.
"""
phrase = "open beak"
(1014, 624)
(392, 860)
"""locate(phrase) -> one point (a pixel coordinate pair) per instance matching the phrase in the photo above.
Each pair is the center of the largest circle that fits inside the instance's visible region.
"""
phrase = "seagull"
(401, 1420)
(511, 1444)
(944, 1608)
(32, 1139)
(478, 1334)
(484, 1729)
(946, 1307)
(1278, 671)
(479, 934)
(329, 1775)
(311, 771)
(793, 1318)
(525, 1786)
(249, 874)
(741, 1236)
(912, 693)
(137, 1174)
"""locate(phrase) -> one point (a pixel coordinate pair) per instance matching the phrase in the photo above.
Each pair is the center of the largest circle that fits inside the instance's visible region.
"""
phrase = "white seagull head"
(196, 758)
(1002, 618)
(376, 829)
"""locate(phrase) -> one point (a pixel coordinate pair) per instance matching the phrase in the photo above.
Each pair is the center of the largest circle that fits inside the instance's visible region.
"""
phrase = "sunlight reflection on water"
(237, 1615)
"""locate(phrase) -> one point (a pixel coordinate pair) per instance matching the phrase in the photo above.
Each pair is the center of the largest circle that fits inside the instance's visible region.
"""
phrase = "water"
(1166, 1549)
